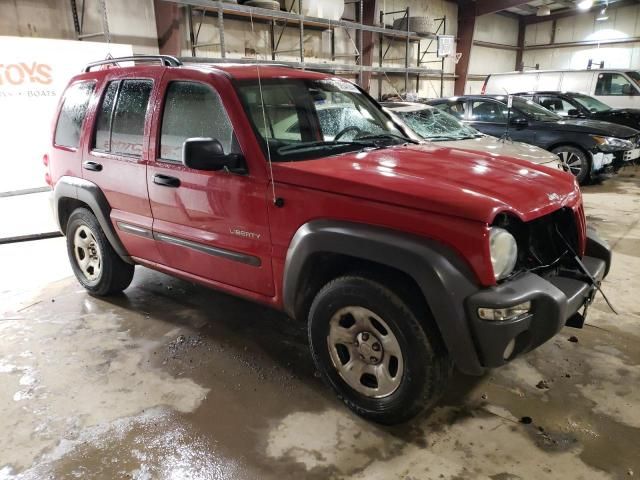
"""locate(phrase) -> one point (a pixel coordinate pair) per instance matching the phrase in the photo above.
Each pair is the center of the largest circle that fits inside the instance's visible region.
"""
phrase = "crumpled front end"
(559, 268)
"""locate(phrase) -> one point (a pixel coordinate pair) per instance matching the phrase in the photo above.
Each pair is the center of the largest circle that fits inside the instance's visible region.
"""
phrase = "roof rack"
(234, 61)
(165, 61)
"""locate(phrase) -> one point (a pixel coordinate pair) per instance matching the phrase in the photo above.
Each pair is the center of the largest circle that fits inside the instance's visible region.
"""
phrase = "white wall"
(130, 21)
(623, 23)
(497, 29)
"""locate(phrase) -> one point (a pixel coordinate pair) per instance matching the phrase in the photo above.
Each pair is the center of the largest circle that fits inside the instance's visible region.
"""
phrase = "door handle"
(166, 180)
(93, 166)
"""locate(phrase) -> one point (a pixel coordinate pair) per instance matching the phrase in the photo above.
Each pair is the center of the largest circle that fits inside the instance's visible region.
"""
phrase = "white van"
(616, 88)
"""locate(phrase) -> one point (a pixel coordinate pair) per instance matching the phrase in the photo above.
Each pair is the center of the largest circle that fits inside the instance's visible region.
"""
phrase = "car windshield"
(535, 111)
(436, 125)
(591, 104)
(306, 119)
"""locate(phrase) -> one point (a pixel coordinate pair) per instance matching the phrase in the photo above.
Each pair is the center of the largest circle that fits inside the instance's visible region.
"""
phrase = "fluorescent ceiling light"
(585, 4)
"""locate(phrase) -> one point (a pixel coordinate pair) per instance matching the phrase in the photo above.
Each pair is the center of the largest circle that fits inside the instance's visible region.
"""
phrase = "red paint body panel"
(123, 178)
(458, 183)
(209, 207)
(447, 195)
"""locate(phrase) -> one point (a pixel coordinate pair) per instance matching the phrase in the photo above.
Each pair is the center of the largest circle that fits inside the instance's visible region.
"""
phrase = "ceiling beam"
(485, 7)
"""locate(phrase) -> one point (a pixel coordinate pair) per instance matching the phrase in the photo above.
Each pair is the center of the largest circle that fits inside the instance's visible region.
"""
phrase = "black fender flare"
(89, 193)
(442, 276)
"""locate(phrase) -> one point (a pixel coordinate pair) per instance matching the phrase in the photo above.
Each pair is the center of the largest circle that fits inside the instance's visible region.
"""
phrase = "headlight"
(504, 252)
(612, 144)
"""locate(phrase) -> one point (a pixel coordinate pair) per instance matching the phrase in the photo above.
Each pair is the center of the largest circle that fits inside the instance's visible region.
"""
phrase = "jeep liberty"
(404, 260)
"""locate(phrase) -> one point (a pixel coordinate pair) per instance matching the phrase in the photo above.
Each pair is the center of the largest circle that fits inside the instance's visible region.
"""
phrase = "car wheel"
(576, 161)
(94, 262)
(373, 350)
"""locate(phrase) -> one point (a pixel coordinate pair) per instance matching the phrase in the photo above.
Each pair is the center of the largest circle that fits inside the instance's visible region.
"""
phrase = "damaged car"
(587, 147)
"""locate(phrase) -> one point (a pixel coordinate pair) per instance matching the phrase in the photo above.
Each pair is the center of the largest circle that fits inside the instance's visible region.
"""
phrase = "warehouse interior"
(182, 374)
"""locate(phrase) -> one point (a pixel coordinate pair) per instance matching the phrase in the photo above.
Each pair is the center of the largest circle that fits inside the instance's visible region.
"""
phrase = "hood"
(597, 127)
(626, 116)
(442, 180)
(495, 146)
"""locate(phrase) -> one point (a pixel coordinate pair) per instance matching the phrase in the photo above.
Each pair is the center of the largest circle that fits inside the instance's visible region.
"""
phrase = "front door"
(491, 117)
(617, 90)
(210, 224)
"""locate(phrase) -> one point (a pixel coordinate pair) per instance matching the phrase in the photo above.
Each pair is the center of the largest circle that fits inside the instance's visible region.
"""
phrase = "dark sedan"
(578, 105)
(588, 147)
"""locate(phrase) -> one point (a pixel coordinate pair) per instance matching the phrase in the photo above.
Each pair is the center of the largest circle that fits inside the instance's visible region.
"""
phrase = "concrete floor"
(174, 381)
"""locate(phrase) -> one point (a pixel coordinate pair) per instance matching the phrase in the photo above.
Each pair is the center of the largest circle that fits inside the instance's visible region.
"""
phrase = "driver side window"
(193, 110)
(557, 105)
(614, 84)
(488, 111)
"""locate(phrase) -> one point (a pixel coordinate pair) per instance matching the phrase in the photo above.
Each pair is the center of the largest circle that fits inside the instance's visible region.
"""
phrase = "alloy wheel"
(573, 161)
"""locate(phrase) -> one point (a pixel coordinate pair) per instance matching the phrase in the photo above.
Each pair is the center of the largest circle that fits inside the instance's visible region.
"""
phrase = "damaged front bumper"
(554, 300)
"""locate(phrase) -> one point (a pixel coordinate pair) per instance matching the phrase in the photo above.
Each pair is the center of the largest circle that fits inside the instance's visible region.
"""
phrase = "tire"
(576, 160)
(95, 263)
(350, 314)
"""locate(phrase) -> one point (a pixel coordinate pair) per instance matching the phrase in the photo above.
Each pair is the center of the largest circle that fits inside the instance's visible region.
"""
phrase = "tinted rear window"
(121, 117)
(72, 113)
(128, 119)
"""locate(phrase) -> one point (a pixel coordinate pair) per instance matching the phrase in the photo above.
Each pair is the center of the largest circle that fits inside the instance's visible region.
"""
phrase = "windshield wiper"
(317, 144)
(437, 138)
(384, 136)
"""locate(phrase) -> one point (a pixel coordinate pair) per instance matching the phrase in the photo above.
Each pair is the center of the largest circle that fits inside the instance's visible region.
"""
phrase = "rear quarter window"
(72, 113)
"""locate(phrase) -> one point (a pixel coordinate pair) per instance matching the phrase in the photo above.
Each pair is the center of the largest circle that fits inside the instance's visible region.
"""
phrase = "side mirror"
(519, 122)
(208, 154)
(573, 112)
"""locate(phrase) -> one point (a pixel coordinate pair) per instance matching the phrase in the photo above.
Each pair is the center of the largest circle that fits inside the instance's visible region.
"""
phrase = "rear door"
(210, 224)
(577, 82)
(117, 155)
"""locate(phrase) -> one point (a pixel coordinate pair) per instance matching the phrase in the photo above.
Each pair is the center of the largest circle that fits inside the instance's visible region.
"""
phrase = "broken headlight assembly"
(612, 144)
(504, 252)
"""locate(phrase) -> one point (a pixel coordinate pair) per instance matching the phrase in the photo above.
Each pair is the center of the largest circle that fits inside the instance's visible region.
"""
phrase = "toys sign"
(33, 74)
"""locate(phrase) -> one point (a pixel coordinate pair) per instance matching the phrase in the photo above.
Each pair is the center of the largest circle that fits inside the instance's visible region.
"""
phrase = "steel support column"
(466, 28)
(168, 20)
(522, 28)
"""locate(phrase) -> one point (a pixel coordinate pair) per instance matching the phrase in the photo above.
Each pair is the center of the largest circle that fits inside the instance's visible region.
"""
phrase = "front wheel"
(95, 263)
(373, 350)
(576, 161)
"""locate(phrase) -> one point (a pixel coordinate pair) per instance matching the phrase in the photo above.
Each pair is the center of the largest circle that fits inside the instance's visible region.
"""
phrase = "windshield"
(305, 119)
(591, 104)
(436, 125)
(535, 111)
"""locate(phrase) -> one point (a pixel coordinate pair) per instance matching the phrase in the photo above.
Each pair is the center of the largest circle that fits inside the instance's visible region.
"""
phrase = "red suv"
(295, 189)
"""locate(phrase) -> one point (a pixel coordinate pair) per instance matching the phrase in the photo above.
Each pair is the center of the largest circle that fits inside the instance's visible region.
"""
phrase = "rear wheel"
(94, 262)
(373, 350)
(576, 161)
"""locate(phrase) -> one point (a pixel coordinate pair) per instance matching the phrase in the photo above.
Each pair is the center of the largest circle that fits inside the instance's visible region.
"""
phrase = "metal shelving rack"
(278, 21)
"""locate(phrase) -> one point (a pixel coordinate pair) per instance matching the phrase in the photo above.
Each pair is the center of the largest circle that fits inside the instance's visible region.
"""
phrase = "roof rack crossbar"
(164, 60)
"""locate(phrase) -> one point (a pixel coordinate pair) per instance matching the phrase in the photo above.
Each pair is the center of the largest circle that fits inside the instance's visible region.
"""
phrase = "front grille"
(542, 243)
